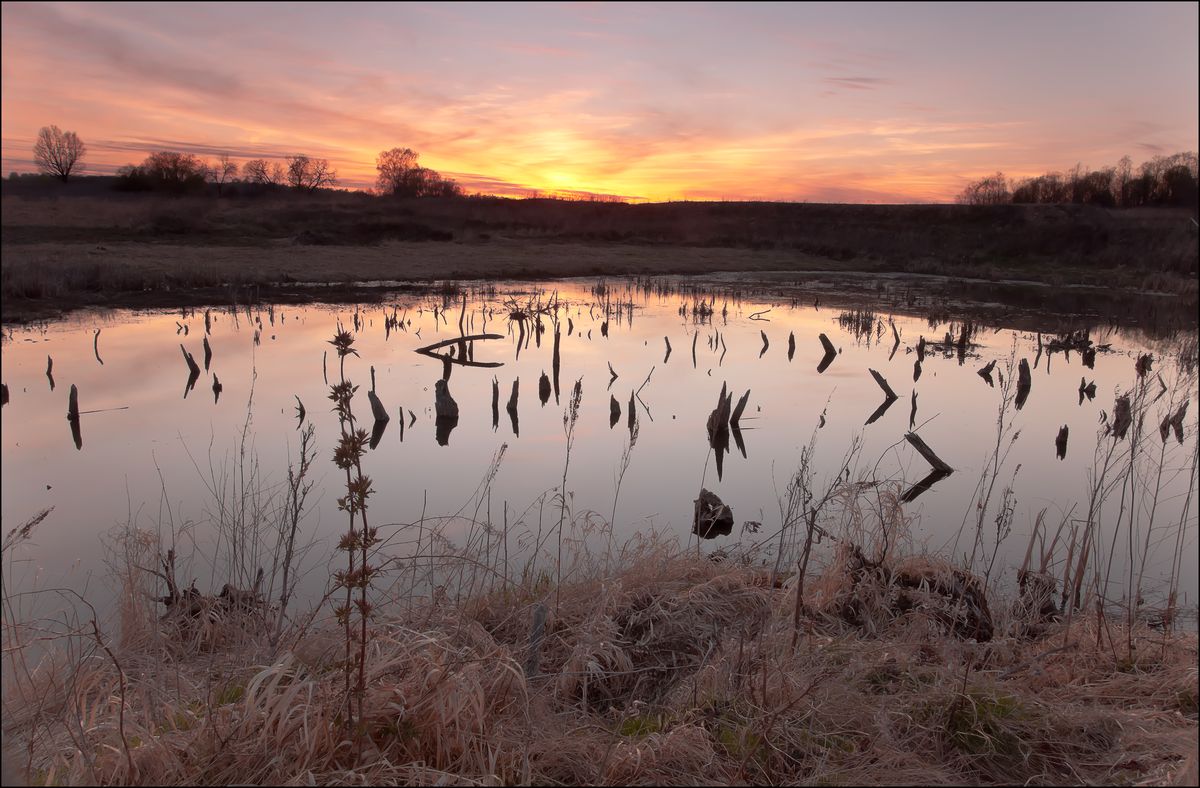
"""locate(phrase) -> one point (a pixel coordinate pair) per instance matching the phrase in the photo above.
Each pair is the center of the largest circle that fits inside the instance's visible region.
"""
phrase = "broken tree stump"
(737, 411)
(511, 407)
(377, 410)
(711, 517)
(883, 384)
(930, 456)
(73, 404)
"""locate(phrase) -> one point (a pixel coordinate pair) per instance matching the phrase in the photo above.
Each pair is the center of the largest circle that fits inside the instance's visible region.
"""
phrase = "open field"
(61, 253)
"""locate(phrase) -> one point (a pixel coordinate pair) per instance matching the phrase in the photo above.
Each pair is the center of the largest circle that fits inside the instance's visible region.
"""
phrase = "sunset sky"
(834, 103)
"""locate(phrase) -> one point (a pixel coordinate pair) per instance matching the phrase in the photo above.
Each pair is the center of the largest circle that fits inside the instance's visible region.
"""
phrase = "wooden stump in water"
(73, 404)
(1060, 443)
(883, 384)
(711, 517)
(930, 456)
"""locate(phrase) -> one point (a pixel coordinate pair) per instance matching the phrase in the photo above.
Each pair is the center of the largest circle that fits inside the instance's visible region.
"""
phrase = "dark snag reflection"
(912, 493)
(445, 425)
(495, 403)
(1024, 382)
(377, 431)
(1060, 442)
(300, 412)
(889, 397)
(512, 408)
(50, 371)
(614, 411)
(73, 417)
(986, 372)
(217, 389)
(830, 354)
(736, 431)
(718, 429)
(556, 360)
(544, 389)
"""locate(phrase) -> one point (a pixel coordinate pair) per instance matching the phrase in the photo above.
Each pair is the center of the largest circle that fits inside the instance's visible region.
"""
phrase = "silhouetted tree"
(400, 176)
(396, 170)
(262, 172)
(222, 172)
(992, 190)
(57, 152)
(308, 174)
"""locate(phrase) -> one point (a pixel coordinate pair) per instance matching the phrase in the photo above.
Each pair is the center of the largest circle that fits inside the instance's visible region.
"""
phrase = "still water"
(153, 452)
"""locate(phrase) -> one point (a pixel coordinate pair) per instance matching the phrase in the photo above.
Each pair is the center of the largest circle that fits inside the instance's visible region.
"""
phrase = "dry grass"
(670, 670)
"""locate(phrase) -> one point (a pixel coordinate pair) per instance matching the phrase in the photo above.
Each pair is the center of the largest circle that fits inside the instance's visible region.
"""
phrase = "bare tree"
(992, 190)
(222, 172)
(308, 174)
(263, 172)
(57, 152)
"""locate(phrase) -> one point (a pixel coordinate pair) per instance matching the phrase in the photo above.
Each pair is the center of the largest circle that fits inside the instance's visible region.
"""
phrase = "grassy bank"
(61, 252)
(671, 670)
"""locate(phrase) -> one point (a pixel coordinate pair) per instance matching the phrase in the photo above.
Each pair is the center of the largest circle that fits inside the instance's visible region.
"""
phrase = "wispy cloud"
(857, 83)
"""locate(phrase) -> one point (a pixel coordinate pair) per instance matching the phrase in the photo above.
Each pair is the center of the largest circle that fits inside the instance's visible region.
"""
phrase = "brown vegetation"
(94, 249)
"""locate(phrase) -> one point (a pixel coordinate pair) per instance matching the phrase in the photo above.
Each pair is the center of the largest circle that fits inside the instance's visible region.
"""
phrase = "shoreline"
(48, 281)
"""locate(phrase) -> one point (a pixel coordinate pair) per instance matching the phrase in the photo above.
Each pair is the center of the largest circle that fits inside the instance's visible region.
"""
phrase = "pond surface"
(152, 452)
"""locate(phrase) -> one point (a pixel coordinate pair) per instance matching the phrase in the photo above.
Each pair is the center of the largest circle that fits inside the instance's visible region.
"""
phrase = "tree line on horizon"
(1163, 180)
(60, 154)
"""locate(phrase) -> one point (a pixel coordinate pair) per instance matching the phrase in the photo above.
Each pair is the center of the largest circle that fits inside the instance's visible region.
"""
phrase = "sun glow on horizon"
(644, 103)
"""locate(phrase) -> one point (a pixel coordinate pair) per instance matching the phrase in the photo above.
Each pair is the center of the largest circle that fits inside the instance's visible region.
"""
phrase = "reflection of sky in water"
(116, 475)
